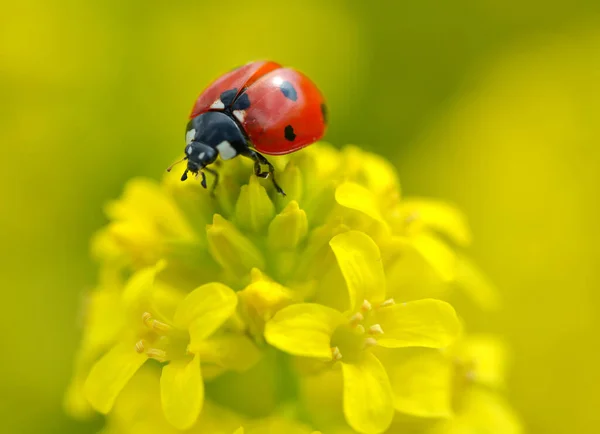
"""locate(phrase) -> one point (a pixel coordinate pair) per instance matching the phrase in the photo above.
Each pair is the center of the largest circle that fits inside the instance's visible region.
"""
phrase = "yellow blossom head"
(246, 299)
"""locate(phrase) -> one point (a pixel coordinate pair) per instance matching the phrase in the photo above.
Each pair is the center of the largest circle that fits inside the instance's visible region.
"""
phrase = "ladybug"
(259, 108)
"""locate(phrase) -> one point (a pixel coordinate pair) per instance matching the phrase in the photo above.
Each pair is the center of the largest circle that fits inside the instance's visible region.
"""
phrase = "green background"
(494, 105)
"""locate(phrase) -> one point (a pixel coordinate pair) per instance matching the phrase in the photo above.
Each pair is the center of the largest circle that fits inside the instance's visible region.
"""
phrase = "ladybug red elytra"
(259, 108)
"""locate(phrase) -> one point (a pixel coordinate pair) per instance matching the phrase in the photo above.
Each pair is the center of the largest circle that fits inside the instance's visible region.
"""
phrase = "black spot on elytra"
(324, 112)
(228, 96)
(242, 103)
(288, 90)
(289, 133)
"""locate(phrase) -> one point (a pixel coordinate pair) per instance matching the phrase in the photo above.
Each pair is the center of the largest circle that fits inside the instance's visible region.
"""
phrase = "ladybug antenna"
(176, 163)
(184, 176)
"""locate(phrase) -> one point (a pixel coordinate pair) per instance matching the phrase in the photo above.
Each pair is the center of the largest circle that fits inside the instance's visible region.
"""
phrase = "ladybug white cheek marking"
(218, 104)
(190, 136)
(188, 150)
(226, 151)
(240, 115)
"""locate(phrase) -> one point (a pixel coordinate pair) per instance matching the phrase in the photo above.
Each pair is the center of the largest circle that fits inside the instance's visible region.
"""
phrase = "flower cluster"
(250, 312)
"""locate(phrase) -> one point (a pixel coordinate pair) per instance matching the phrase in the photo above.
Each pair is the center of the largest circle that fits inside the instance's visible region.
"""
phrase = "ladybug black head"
(198, 156)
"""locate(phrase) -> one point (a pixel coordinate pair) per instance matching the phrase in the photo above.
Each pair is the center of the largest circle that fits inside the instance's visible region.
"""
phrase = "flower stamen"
(336, 354)
(356, 319)
(155, 325)
(388, 302)
(376, 329)
(140, 347)
(156, 354)
(366, 306)
(370, 342)
(152, 353)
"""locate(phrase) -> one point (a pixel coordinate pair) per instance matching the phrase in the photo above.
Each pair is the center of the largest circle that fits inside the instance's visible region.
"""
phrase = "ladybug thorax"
(211, 134)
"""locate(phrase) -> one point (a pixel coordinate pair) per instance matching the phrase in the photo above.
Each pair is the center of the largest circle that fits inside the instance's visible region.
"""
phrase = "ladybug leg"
(214, 186)
(271, 172)
(258, 170)
(203, 182)
(258, 160)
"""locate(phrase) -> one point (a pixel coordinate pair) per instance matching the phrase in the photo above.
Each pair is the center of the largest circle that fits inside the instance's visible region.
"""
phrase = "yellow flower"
(145, 223)
(313, 330)
(182, 338)
(462, 385)
(138, 410)
(480, 364)
(103, 320)
(233, 306)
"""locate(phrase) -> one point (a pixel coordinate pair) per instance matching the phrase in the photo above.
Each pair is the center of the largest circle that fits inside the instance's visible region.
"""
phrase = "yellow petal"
(288, 228)
(193, 200)
(410, 276)
(140, 195)
(438, 216)
(323, 162)
(486, 358)
(232, 250)
(371, 170)
(368, 402)
(164, 302)
(110, 374)
(438, 255)
(266, 297)
(357, 197)
(104, 247)
(360, 261)
(292, 183)
(232, 351)
(304, 330)
(145, 202)
(261, 300)
(140, 285)
(422, 323)
(319, 204)
(182, 392)
(206, 308)
(254, 209)
(230, 180)
(104, 318)
(380, 175)
(421, 381)
(138, 407)
(138, 241)
(330, 288)
(482, 412)
(317, 257)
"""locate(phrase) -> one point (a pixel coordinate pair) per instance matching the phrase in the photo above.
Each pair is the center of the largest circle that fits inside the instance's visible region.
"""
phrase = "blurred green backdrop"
(493, 105)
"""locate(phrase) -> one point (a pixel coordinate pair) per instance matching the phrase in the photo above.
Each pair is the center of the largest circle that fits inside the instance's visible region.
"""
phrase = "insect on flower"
(259, 108)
